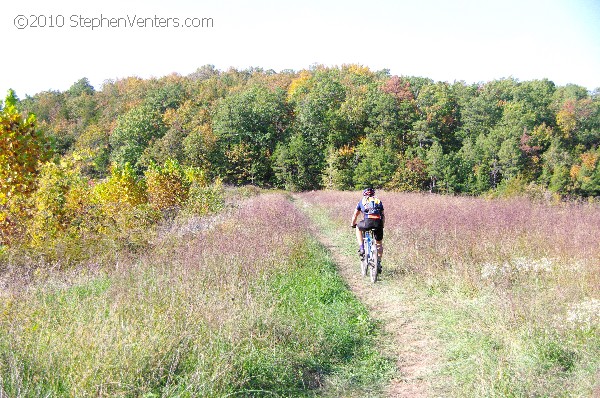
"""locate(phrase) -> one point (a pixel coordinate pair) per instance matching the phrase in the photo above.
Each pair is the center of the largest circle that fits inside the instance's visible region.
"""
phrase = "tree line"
(333, 127)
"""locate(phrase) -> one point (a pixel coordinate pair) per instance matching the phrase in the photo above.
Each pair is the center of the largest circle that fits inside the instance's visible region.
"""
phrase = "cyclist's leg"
(360, 237)
(379, 249)
(379, 244)
(378, 232)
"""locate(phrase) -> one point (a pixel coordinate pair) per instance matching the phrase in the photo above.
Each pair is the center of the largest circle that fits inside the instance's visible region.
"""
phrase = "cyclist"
(373, 218)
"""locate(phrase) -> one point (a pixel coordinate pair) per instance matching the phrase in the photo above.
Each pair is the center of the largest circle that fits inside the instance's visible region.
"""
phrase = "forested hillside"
(335, 127)
(70, 159)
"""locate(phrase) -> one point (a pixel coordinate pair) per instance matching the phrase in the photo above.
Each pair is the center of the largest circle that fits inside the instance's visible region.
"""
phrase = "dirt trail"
(405, 337)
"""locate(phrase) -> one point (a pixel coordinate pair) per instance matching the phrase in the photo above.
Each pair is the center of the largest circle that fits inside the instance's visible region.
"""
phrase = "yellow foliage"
(346, 150)
(302, 81)
(575, 169)
(542, 132)
(122, 188)
(566, 121)
(122, 201)
(170, 116)
(589, 160)
(60, 202)
(196, 175)
(22, 149)
(168, 186)
(356, 69)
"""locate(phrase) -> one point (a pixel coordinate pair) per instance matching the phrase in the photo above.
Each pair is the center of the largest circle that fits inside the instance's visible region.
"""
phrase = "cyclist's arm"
(382, 218)
(355, 216)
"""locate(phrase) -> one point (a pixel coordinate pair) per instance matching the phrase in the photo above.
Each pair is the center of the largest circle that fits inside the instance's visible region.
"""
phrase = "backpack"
(372, 205)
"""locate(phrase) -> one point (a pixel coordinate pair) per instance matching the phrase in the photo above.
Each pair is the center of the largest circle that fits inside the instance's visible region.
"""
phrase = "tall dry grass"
(512, 286)
(250, 306)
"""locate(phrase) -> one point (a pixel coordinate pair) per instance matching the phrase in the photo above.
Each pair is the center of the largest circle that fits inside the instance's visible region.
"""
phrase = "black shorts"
(372, 223)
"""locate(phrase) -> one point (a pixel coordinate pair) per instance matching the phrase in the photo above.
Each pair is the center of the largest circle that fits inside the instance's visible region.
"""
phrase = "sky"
(459, 40)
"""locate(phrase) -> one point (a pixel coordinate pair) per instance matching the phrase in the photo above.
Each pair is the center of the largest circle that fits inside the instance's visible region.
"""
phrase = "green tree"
(167, 93)
(480, 110)
(95, 143)
(340, 168)
(133, 133)
(469, 160)
(318, 112)
(509, 159)
(376, 162)
(441, 169)
(559, 181)
(537, 97)
(556, 164)
(393, 112)
(81, 86)
(295, 166)
(248, 126)
(439, 116)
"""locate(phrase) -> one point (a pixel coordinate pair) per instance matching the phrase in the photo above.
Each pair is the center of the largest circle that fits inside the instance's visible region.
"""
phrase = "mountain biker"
(373, 218)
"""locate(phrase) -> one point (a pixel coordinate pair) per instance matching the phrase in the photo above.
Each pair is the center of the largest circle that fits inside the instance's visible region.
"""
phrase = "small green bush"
(205, 199)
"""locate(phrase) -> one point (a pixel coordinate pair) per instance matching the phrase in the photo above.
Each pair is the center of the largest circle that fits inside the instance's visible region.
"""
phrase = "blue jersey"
(371, 207)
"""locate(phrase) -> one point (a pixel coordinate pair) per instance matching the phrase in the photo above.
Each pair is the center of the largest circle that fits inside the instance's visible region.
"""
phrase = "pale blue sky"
(444, 40)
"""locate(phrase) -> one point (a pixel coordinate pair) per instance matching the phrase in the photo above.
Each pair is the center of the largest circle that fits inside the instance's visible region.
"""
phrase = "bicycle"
(368, 263)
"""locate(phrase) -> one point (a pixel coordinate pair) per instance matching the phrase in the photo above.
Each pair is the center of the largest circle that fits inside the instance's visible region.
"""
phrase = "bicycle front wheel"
(373, 262)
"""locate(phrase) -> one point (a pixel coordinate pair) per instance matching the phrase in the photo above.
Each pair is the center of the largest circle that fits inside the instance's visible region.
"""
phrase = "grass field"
(251, 306)
(510, 288)
(249, 303)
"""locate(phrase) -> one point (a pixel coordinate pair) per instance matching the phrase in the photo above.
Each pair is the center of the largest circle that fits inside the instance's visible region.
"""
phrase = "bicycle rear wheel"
(364, 260)
(373, 271)
(363, 267)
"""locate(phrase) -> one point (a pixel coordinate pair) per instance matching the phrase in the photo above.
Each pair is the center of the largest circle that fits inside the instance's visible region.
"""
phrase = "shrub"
(22, 149)
(122, 188)
(168, 186)
(94, 141)
(205, 199)
(126, 214)
(63, 212)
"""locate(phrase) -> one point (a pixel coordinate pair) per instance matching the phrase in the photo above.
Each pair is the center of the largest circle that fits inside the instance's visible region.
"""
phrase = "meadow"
(247, 302)
(248, 305)
(510, 288)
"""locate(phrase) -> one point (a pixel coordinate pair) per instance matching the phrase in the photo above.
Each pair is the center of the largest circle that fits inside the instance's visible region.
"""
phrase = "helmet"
(369, 192)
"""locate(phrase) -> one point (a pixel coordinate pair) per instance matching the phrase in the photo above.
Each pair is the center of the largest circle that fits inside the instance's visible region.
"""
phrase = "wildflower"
(584, 315)
(523, 264)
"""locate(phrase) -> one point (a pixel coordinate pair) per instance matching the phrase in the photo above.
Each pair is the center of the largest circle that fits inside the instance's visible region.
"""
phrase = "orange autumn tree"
(23, 148)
